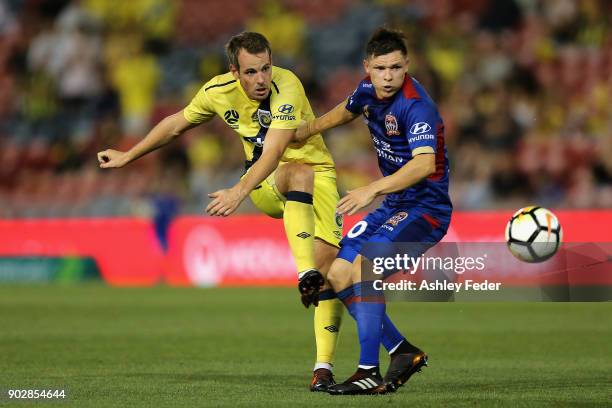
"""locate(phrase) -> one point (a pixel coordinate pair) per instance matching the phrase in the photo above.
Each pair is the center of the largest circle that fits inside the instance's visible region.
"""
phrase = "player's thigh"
(418, 225)
(268, 199)
(360, 233)
(328, 224)
(408, 231)
(294, 176)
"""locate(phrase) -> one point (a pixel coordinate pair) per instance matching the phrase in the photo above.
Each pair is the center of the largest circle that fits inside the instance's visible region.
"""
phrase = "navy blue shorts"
(393, 225)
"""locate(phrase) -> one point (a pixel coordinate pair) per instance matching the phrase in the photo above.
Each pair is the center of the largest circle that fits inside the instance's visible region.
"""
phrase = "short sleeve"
(354, 103)
(422, 127)
(286, 107)
(200, 108)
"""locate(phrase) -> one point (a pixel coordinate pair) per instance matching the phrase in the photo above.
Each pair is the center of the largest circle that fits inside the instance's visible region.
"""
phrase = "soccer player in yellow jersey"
(264, 104)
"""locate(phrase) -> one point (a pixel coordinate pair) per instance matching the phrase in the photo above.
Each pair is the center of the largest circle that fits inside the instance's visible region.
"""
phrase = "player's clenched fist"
(112, 158)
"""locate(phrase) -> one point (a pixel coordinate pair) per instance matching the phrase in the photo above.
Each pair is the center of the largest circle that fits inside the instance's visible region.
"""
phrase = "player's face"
(387, 72)
(255, 74)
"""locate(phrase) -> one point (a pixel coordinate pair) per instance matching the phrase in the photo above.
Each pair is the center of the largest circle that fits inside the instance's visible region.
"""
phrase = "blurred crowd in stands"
(524, 88)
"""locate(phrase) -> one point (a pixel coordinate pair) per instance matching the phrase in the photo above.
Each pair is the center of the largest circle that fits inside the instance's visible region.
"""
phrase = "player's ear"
(366, 65)
(235, 72)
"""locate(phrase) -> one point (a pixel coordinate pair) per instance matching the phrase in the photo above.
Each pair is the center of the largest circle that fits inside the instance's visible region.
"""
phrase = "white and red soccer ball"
(533, 234)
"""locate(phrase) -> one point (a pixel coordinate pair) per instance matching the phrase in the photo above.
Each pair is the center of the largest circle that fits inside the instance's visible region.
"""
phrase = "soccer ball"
(533, 234)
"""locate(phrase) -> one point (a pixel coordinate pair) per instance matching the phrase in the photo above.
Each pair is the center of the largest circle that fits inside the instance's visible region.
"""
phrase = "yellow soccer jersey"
(286, 106)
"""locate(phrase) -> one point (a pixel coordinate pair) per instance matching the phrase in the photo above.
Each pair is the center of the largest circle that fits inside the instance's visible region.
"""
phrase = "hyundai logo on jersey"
(420, 127)
(286, 109)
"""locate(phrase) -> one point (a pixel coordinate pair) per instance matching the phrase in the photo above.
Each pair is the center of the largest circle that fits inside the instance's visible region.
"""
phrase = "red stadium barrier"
(126, 250)
(240, 250)
(252, 250)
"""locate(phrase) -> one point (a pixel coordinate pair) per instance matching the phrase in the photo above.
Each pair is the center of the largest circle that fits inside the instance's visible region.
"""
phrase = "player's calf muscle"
(324, 257)
(339, 275)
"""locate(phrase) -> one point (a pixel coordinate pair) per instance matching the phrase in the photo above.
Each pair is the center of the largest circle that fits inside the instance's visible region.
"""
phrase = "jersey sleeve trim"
(217, 85)
(423, 150)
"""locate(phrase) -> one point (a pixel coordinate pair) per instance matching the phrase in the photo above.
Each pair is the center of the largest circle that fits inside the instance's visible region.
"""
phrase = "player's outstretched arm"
(165, 131)
(335, 117)
(226, 201)
(419, 167)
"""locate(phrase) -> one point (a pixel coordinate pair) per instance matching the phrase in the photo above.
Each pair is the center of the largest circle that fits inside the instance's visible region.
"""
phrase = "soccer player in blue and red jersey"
(408, 136)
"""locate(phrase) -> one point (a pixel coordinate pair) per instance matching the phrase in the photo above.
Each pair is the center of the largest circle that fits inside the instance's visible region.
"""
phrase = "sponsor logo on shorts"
(397, 218)
(339, 220)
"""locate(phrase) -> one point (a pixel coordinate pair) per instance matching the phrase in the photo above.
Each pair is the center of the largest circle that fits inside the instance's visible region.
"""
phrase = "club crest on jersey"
(264, 117)
(397, 218)
(366, 111)
(391, 125)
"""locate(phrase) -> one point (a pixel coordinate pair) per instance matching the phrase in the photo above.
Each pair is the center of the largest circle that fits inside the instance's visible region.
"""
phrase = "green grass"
(254, 347)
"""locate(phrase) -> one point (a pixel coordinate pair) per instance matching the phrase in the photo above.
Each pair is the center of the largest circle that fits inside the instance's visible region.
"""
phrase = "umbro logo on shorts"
(303, 235)
(332, 329)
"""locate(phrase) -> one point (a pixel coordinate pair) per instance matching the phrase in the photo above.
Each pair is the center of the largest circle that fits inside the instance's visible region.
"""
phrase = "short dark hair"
(384, 41)
(251, 42)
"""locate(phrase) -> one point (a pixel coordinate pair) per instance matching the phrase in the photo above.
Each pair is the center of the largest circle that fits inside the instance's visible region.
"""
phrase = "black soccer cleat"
(322, 379)
(366, 382)
(401, 368)
(309, 286)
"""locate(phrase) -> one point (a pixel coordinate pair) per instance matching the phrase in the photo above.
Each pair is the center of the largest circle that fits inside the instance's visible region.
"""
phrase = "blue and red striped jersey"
(401, 127)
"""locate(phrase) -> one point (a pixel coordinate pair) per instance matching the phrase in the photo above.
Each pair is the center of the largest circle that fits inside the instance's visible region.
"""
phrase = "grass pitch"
(240, 347)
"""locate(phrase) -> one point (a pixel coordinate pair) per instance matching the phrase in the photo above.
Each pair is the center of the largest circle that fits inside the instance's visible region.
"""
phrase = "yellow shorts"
(328, 225)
